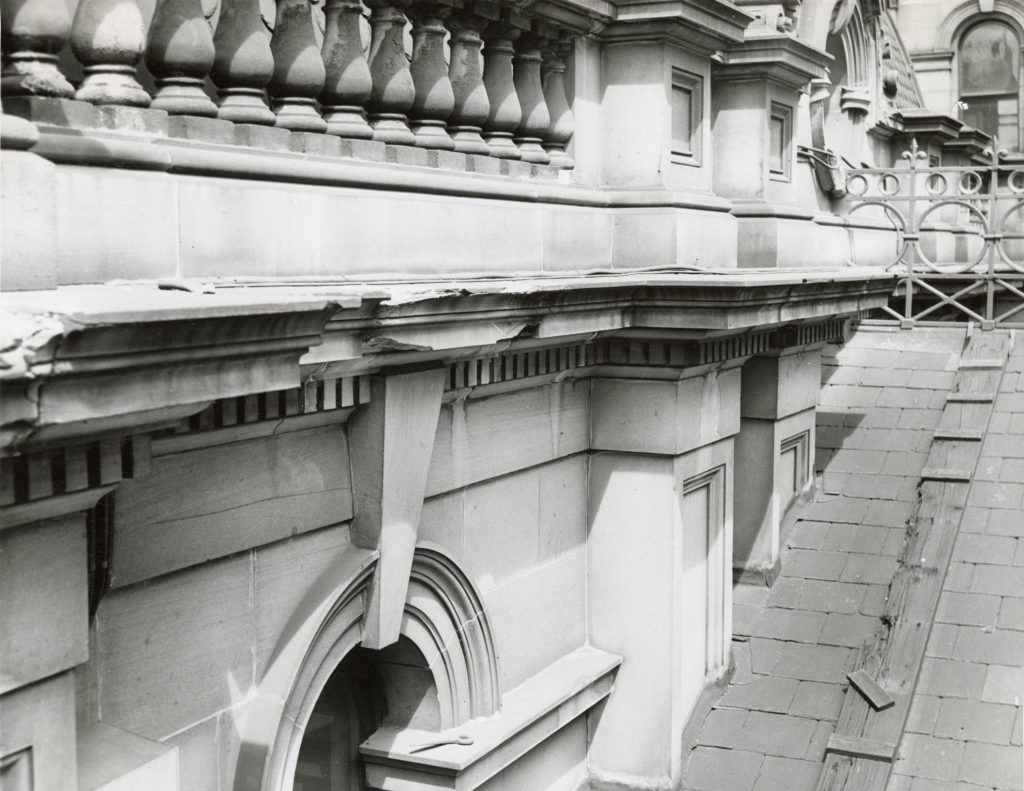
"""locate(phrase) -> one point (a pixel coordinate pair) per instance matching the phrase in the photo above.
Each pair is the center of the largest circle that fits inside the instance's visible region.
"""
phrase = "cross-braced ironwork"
(960, 236)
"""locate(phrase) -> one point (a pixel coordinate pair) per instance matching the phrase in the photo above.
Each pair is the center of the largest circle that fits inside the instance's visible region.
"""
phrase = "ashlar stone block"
(44, 617)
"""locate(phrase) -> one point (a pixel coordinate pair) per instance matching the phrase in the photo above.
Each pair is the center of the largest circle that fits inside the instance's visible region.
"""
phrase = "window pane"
(989, 59)
(682, 119)
(1008, 125)
(995, 115)
(777, 145)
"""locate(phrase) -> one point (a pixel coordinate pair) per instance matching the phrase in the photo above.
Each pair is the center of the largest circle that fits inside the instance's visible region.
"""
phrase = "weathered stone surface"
(41, 716)
(302, 477)
(44, 619)
(191, 630)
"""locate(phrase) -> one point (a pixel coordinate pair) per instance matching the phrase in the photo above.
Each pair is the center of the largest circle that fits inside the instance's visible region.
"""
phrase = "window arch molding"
(966, 16)
(959, 23)
(444, 617)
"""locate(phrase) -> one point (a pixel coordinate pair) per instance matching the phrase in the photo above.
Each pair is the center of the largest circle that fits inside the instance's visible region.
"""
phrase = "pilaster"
(774, 453)
(659, 549)
(755, 107)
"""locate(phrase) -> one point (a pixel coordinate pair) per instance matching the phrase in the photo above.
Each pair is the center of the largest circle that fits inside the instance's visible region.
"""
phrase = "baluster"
(108, 38)
(393, 91)
(536, 119)
(180, 55)
(562, 123)
(299, 72)
(33, 32)
(243, 64)
(435, 99)
(506, 112)
(348, 84)
(471, 106)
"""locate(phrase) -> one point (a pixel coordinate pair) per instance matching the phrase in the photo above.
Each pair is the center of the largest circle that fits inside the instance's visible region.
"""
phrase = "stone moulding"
(530, 713)
(783, 60)
(702, 26)
(82, 148)
(151, 359)
(444, 618)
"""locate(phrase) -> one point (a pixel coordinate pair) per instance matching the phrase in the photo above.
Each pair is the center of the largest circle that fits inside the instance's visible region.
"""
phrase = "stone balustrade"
(478, 78)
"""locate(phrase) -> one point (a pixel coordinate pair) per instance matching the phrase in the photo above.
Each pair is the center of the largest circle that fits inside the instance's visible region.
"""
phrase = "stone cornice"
(583, 17)
(778, 58)
(926, 125)
(703, 26)
(112, 359)
(117, 360)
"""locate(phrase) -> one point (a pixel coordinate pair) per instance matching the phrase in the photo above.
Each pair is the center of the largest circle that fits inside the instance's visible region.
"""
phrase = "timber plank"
(869, 688)
(857, 756)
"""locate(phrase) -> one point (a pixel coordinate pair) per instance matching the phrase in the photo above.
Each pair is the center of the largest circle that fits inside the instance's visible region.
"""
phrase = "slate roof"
(882, 399)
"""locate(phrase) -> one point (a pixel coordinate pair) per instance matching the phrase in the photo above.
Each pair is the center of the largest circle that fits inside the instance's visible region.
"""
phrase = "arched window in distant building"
(990, 81)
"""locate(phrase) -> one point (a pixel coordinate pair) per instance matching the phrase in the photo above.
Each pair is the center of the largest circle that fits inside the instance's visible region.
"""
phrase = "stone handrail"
(495, 86)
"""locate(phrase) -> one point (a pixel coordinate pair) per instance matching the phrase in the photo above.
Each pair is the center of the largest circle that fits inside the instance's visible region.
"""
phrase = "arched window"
(990, 81)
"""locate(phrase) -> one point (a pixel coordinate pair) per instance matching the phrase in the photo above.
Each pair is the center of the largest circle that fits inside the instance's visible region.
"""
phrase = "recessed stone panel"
(212, 502)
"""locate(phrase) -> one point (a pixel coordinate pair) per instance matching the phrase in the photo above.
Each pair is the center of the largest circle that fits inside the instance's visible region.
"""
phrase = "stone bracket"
(392, 442)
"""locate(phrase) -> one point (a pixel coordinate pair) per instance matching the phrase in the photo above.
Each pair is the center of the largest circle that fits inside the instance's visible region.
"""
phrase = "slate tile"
(813, 662)
(868, 569)
(942, 640)
(998, 647)
(1011, 614)
(970, 720)
(809, 535)
(1003, 685)
(786, 774)
(848, 629)
(713, 769)
(776, 734)
(949, 678)
(814, 564)
(855, 538)
(998, 580)
(924, 711)
(926, 756)
(764, 693)
(975, 548)
(992, 765)
(968, 609)
(817, 700)
(797, 625)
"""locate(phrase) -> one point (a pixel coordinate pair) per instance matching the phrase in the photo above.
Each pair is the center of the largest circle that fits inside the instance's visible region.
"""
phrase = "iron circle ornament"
(970, 182)
(936, 184)
(983, 233)
(889, 184)
(1015, 182)
(857, 185)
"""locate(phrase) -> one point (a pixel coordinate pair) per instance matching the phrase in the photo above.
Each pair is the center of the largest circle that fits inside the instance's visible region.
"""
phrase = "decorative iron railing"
(960, 237)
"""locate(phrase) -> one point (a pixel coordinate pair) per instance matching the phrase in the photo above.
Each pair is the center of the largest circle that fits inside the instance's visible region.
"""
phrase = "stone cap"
(702, 26)
(776, 58)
